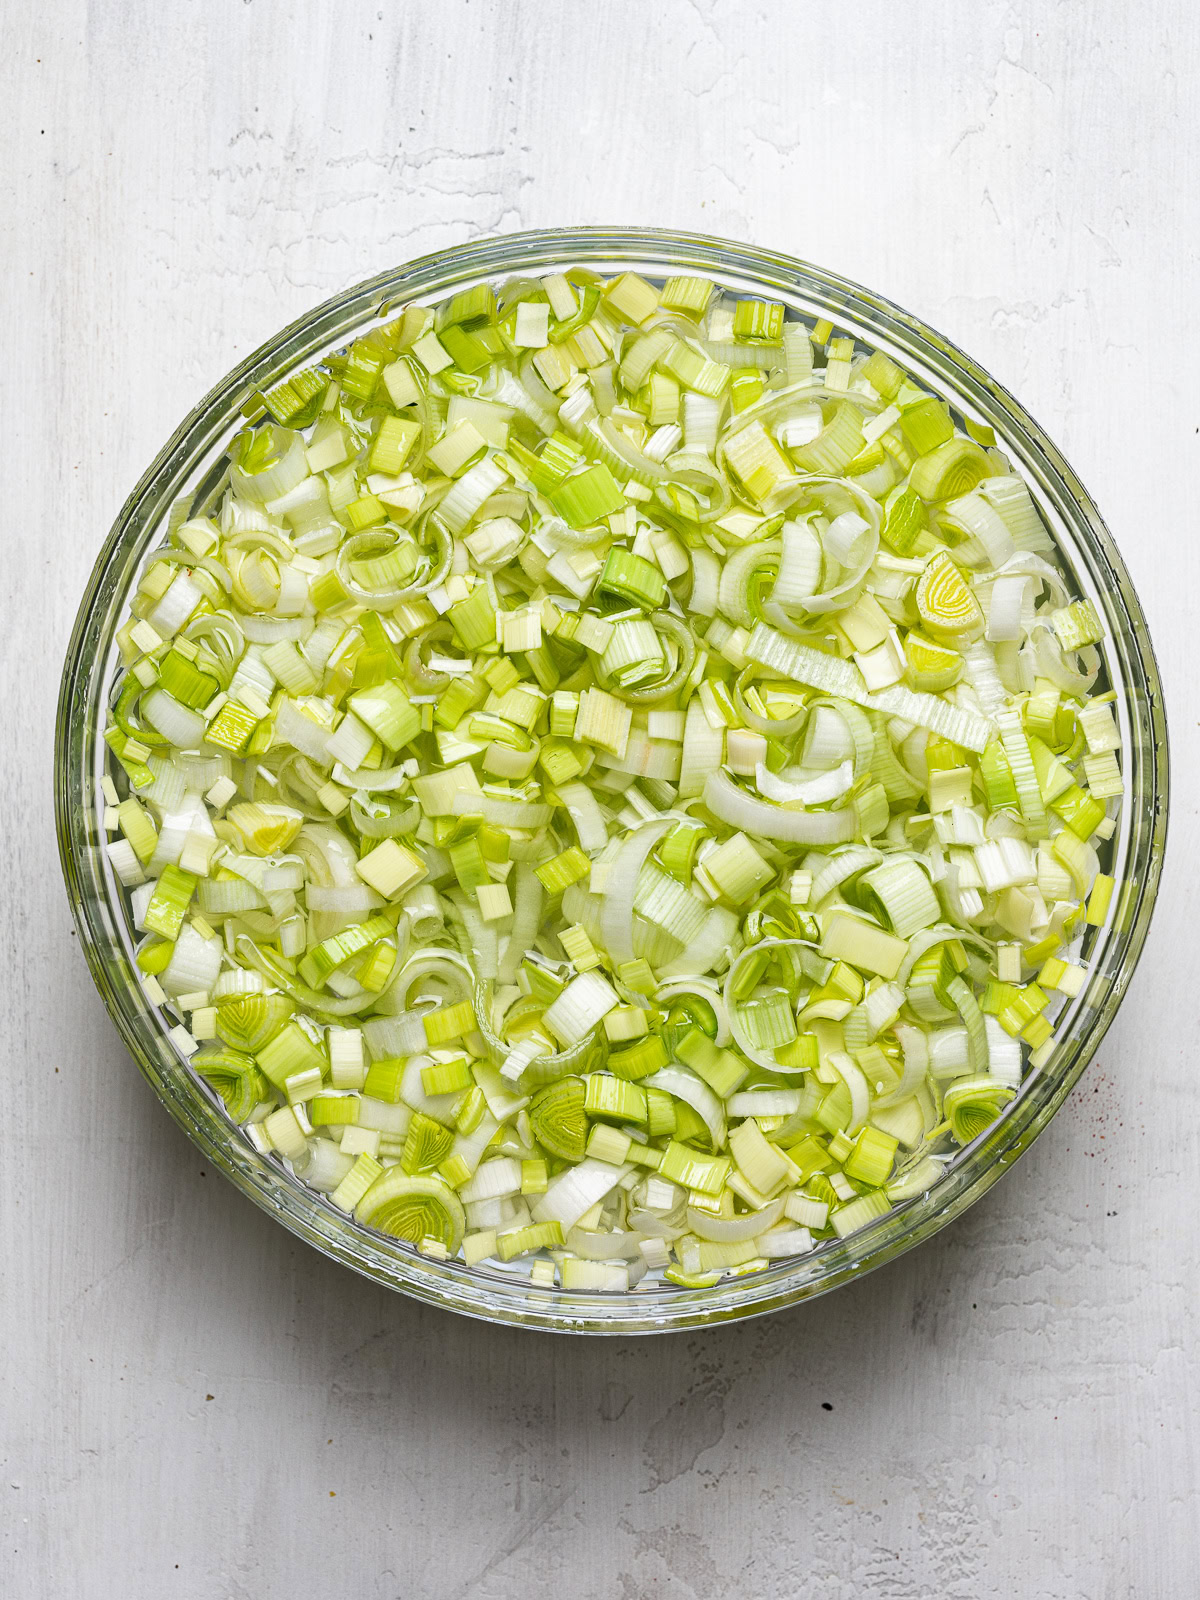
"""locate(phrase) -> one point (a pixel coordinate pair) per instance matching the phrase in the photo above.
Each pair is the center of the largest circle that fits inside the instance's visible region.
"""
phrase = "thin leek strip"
(703, 750)
(583, 809)
(834, 733)
(839, 678)
(741, 810)
(712, 942)
(1053, 665)
(852, 1076)
(790, 399)
(683, 1084)
(902, 892)
(616, 919)
(785, 789)
(843, 865)
(706, 574)
(527, 916)
(666, 903)
(734, 1230)
(478, 940)
(502, 811)
(800, 569)
(915, 1045)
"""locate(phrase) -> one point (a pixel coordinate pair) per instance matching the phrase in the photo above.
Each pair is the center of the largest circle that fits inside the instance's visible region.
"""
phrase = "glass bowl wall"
(192, 463)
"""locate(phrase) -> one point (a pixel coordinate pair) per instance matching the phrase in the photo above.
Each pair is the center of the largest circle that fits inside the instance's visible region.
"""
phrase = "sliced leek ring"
(944, 599)
(557, 1118)
(268, 830)
(235, 1077)
(971, 1105)
(930, 664)
(954, 468)
(250, 1021)
(413, 1208)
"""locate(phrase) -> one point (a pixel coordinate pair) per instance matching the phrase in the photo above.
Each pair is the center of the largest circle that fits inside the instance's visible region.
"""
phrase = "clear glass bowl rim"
(505, 1299)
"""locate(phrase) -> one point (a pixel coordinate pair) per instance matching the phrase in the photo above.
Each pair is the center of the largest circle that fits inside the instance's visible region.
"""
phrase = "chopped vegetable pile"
(614, 781)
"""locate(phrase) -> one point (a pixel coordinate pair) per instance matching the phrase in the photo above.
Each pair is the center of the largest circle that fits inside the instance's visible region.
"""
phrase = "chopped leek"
(612, 778)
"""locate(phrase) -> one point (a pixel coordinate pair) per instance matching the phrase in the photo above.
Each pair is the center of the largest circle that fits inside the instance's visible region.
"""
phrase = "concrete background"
(196, 1406)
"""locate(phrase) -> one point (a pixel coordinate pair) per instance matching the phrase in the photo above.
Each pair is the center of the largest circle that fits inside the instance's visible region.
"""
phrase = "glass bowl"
(192, 463)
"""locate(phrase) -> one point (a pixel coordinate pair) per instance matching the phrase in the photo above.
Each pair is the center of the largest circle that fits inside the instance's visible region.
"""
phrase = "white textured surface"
(196, 1405)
